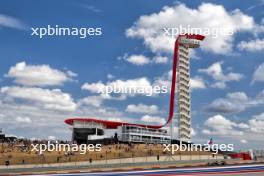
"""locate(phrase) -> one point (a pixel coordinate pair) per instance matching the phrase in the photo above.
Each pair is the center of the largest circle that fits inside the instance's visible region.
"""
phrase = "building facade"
(127, 133)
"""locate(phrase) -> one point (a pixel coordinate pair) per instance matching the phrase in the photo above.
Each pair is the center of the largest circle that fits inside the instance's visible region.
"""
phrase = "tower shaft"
(183, 93)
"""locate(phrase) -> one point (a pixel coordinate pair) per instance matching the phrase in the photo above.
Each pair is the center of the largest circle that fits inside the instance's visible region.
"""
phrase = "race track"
(249, 170)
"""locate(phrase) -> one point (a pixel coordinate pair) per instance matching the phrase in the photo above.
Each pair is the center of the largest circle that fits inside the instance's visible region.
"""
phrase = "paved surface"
(244, 170)
(102, 167)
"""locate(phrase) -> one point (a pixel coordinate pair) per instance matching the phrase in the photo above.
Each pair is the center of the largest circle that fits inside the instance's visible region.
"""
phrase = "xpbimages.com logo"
(214, 32)
(56, 30)
(183, 147)
(60, 147)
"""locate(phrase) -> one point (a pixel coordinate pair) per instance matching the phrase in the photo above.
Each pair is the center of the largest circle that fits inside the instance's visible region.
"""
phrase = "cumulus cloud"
(235, 102)
(97, 101)
(197, 83)
(258, 75)
(52, 138)
(153, 119)
(141, 108)
(110, 76)
(11, 22)
(23, 119)
(193, 132)
(71, 73)
(92, 8)
(256, 123)
(30, 120)
(143, 60)
(92, 100)
(53, 99)
(47, 112)
(251, 129)
(150, 28)
(259, 116)
(38, 75)
(216, 72)
(138, 59)
(243, 141)
(219, 125)
(252, 45)
(160, 59)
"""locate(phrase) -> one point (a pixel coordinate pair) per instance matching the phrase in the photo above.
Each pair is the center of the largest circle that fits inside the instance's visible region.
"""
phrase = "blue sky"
(227, 72)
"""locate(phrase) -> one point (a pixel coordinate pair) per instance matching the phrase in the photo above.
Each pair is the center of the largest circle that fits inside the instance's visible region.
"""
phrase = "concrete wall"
(152, 159)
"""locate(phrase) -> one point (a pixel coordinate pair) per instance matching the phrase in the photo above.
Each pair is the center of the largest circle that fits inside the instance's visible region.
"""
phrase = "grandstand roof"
(108, 124)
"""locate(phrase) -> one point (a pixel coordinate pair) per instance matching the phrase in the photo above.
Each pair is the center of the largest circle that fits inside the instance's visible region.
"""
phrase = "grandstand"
(20, 152)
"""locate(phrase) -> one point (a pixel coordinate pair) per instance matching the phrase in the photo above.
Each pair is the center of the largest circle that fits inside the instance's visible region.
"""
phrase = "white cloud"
(71, 73)
(262, 21)
(141, 108)
(92, 8)
(92, 100)
(219, 122)
(153, 119)
(256, 123)
(94, 87)
(252, 45)
(23, 119)
(219, 85)
(243, 141)
(53, 99)
(38, 75)
(51, 138)
(138, 59)
(237, 96)
(216, 72)
(252, 129)
(207, 15)
(233, 103)
(259, 116)
(193, 132)
(97, 101)
(143, 60)
(197, 83)
(49, 120)
(47, 111)
(219, 125)
(258, 75)
(7, 21)
(160, 59)
(110, 76)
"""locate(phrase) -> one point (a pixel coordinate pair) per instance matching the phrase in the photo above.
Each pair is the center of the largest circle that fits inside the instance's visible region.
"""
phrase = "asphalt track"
(244, 170)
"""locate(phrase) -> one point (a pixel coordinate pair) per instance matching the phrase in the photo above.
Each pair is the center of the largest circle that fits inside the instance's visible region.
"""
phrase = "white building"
(128, 133)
